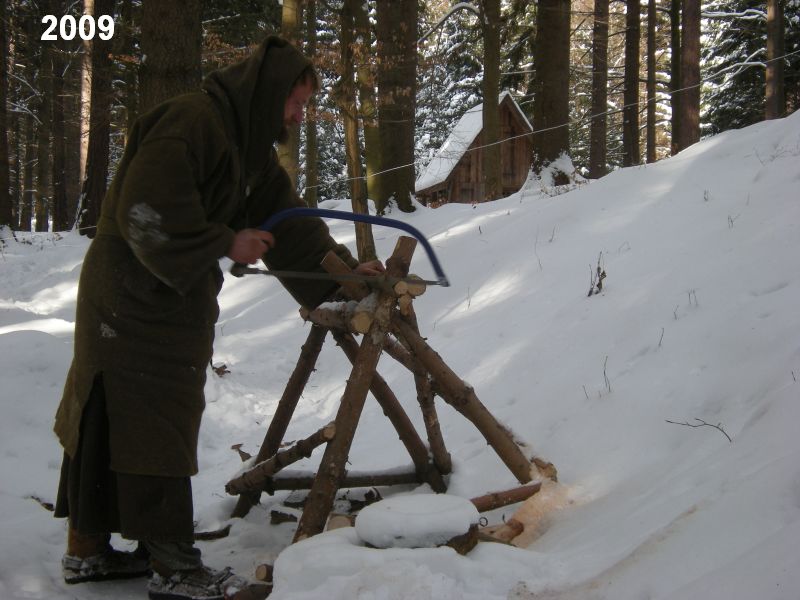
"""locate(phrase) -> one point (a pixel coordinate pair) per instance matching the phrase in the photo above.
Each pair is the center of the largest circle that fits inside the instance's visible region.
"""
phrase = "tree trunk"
(312, 144)
(630, 112)
(94, 184)
(365, 81)
(397, 88)
(289, 153)
(171, 45)
(72, 134)
(598, 144)
(651, 81)
(689, 132)
(86, 94)
(675, 71)
(130, 99)
(492, 169)
(57, 50)
(551, 82)
(43, 116)
(346, 99)
(29, 165)
(776, 100)
(6, 213)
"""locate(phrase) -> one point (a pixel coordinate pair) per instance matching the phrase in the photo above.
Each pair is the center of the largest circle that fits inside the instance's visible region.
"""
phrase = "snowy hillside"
(697, 322)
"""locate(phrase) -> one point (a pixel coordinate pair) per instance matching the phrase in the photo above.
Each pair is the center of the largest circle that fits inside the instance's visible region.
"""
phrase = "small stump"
(420, 521)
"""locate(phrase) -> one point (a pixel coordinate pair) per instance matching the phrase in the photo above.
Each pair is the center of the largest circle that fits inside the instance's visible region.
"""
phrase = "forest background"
(606, 83)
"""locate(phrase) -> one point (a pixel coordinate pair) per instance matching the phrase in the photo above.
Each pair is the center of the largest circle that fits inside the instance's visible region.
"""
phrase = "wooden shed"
(455, 173)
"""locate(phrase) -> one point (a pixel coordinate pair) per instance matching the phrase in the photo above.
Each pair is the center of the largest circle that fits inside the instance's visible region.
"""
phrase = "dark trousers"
(155, 510)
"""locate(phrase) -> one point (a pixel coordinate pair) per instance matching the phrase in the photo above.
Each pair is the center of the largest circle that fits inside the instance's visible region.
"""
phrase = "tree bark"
(365, 81)
(305, 481)
(675, 71)
(289, 152)
(254, 479)
(397, 88)
(462, 397)
(346, 98)
(492, 168)
(332, 466)
(689, 132)
(651, 81)
(57, 51)
(551, 82)
(598, 130)
(398, 417)
(775, 107)
(630, 111)
(41, 210)
(86, 95)
(312, 144)
(494, 500)
(6, 212)
(171, 44)
(94, 184)
(425, 398)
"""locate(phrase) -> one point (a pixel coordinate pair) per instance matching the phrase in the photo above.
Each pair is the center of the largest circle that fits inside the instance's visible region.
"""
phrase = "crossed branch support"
(388, 324)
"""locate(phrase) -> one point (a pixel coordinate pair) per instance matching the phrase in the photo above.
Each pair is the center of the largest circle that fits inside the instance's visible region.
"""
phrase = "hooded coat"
(196, 169)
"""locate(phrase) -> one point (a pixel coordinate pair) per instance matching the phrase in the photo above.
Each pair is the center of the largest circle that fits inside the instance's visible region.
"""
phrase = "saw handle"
(302, 211)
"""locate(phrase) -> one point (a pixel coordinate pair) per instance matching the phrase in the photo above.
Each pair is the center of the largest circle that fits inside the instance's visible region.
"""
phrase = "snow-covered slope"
(697, 321)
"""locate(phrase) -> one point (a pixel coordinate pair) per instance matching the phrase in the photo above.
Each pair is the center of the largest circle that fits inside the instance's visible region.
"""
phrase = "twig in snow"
(661, 339)
(701, 423)
(553, 235)
(535, 251)
(675, 312)
(587, 393)
(605, 376)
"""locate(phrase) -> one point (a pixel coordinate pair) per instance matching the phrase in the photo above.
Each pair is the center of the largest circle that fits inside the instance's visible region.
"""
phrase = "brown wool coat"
(196, 169)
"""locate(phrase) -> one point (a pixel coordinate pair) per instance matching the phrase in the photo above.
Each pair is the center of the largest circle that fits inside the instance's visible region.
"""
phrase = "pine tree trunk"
(72, 135)
(289, 153)
(651, 81)
(312, 144)
(57, 50)
(94, 184)
(86, 94)
(41, 210)
(171, 44)
(775, 97)
(492, 168)
(689, 132)
(397, 69)
(6, 212)
(346, 98)
(597, 143)
(365, 81)
(551, 96)
(630, 112)
(675, 71)
(29, 164)
(130, 99)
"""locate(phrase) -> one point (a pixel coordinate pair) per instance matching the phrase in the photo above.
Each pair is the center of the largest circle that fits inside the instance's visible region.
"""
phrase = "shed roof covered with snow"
(454, 174)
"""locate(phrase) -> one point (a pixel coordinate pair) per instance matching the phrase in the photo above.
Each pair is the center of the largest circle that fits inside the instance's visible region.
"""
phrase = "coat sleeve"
(301, 242)
(161, 214)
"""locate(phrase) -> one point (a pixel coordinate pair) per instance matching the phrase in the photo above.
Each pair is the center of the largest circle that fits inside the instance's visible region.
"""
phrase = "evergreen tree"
(734, 57)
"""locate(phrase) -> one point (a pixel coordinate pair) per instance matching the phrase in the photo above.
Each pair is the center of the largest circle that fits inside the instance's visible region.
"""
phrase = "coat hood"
(253, 93)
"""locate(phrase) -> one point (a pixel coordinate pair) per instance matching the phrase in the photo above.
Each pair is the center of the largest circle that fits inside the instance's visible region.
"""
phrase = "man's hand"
(249, 245)
(371, 268)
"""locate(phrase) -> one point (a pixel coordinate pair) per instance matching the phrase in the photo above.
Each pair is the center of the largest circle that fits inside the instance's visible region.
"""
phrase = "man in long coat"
(198, 175)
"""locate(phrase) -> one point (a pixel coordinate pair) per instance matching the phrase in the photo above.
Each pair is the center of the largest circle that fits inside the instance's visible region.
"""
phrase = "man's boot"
(90, 557)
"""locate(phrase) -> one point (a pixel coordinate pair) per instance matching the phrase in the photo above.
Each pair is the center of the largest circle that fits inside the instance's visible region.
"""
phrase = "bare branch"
(701, 423)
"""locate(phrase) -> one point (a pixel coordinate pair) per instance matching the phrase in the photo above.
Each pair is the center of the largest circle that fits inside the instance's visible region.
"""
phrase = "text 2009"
(86, 27)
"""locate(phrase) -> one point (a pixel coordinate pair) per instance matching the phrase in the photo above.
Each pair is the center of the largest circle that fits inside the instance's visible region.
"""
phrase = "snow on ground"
(697, 320)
